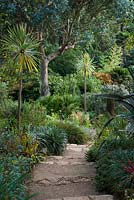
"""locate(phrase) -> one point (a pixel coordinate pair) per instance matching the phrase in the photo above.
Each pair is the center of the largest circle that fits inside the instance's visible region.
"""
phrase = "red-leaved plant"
(129, 169)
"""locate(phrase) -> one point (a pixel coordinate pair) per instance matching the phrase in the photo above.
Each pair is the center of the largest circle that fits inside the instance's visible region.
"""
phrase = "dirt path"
(67, 177)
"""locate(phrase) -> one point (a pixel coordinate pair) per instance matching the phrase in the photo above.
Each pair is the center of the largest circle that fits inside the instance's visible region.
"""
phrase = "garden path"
(68, 177)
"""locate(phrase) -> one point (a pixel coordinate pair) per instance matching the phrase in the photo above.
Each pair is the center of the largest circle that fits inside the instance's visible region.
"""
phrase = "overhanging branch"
(61, 50)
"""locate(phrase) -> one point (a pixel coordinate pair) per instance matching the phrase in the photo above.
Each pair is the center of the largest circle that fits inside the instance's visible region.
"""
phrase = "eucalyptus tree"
(68, 21)
(21, 49)
(56, 22)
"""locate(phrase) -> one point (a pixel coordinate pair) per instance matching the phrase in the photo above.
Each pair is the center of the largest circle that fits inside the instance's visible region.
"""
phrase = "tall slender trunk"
(44, 78)
(85, 90)
(44, 68)
(19, 104)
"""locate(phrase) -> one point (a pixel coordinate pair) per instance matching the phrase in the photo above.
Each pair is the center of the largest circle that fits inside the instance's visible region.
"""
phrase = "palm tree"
(22, 50)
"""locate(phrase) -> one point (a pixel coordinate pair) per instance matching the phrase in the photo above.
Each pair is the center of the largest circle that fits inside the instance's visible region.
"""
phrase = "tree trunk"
(111, 107)
(44, 78)
(45, 61)
(44, 67)
(19, 104)
(85, 90)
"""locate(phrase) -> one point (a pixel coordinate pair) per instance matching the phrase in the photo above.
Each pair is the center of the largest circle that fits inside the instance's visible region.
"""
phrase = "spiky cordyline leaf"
(22, 48)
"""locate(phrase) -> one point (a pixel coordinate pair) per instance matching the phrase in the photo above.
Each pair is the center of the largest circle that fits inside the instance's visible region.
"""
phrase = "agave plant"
(127, 102)
(21, 48)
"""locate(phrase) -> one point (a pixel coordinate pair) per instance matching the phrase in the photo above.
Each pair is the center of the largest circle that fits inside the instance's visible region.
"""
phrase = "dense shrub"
(75, 134)
(13, 172)
(9, 143)
(66, 63)
(51, 138)
(93, 84)
(8, 113)
(107, 145)
(115, 164)
(122, 142)
(33, 114)
(91, 154)
(80, 118)
(120, 75)
(115, 172)
(24, 144)
(64, 105)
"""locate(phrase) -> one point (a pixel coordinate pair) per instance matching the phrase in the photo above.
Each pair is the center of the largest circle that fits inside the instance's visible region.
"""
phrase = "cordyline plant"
(21, 48)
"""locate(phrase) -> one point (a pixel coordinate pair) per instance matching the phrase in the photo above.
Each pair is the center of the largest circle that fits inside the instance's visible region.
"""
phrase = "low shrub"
(112, 144)
(8, 114)
(120, 75)
(33, 114)
(10, 143)
(93, 84)
(13, 172)
(80, 118)
(75, 134)
(115, 172)
(114, 158)
(22, 144)
(91, 154)
(107, 145)
(64, 105)
(18, 154)
(51, 138)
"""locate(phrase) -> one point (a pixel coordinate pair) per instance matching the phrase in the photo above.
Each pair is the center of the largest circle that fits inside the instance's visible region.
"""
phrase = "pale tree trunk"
(44, 78)
(45, 62)
(19, 105)
(44, 68)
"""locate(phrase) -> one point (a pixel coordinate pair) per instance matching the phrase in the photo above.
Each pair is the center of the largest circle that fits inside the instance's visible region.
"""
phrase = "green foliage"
(31, 87)
(91, 154)
(3, 92)
(128, 102)
(53, 16)
(120, 75)
(112, 61)
(75, 134)
(9, 114)
(8, 108)
(113, 157)
(80, 118)
(64, 104)
(93, 84)
(86, 65)
(66, 63)
(51, 138)
(21, 47)
(9, 143)
(67, 84)
(122, 142)
(112, 173)
(33, 114)
(12, 143)
(13, 171)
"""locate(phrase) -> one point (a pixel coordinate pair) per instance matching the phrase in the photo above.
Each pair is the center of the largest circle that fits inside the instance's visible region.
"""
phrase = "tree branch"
(61, 50)
(41, 47)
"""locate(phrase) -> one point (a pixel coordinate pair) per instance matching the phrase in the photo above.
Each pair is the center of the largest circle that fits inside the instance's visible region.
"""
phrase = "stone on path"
(68, 177)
